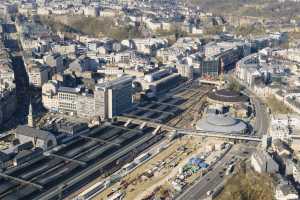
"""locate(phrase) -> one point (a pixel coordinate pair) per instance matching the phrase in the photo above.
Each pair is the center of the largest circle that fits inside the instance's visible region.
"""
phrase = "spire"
(30, 120)
(30, 109)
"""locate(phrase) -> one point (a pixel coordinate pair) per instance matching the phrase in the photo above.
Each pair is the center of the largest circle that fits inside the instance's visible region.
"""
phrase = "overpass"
(218, 135)
(189, 131)
(294, 136)
(142, 121)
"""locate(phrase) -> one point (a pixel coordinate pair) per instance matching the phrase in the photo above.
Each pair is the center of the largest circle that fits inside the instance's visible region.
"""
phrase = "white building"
(65, 49)
(67, 99)
(282, 126)
(286, 192)
(159, 81)
(186, 71)
(262, 162)
(49, 95)
(107, 100)
(91, 11)
(38, 74)
(149, 45)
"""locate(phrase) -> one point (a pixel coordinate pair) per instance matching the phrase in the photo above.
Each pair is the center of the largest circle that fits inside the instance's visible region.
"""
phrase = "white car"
(209, 193)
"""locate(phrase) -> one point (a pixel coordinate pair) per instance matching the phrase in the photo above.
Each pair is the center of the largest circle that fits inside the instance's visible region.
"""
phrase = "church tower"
(30, 120)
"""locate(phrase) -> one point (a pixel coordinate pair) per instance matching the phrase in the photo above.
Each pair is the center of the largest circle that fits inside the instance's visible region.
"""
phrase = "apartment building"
(38, 74)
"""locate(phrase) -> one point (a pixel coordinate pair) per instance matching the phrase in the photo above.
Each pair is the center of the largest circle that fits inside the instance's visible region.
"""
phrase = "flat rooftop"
(226, 95)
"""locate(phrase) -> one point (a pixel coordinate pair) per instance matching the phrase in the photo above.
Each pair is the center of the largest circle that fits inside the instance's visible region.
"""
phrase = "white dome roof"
(221, 120)
(221, 124)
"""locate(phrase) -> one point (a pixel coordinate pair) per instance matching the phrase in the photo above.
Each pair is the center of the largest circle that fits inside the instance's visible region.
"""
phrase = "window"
(49, 143)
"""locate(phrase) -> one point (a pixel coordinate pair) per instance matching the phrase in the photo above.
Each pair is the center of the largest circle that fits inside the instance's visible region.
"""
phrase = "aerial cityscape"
(150, 99)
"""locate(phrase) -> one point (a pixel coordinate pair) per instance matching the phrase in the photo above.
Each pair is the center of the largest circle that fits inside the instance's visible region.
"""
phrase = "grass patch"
(93, 26)
(248, 186)
(277, 107)
(246, 30)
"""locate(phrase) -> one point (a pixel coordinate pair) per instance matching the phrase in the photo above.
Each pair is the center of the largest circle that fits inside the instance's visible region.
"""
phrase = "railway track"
(51, 171)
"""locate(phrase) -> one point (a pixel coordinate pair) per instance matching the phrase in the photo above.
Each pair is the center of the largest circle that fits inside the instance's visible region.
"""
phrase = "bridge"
(145, 122)
(189, 131)
(294, 136)
(219, 135)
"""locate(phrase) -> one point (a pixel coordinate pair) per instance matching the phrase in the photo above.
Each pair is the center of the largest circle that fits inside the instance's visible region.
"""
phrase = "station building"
(221, 123)
(226, 97)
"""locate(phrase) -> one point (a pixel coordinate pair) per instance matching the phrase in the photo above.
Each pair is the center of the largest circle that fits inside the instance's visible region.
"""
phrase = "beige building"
(65, 49)
(67, 99)
(55, 61)
(186, 71)
(85, 105)
(38, 74)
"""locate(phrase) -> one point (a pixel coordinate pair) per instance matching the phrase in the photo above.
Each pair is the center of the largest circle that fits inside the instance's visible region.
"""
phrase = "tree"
(234, 85)
(248, 186)
(213, 30)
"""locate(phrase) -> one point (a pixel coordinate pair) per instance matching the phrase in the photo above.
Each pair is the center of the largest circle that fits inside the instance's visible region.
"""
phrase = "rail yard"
(99, 151)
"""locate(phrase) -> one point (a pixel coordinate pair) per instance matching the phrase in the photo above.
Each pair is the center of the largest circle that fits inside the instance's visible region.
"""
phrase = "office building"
(67, 98)
(113, 97)
(38, 73)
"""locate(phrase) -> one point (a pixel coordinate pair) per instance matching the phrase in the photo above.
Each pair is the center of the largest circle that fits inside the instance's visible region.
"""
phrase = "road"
(21, 79)
(23, 91)
(261, 124)
(213, 178)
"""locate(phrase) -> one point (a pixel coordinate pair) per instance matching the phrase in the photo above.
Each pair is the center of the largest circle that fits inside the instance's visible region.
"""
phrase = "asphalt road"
(213, 178)
(21, 79)
(261, 124)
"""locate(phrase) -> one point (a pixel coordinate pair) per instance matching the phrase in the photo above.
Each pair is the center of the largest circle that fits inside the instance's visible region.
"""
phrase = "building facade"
(114, 97)
(262, 162)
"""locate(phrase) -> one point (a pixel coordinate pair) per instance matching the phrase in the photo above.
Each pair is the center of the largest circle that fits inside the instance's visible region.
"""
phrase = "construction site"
(172, 169)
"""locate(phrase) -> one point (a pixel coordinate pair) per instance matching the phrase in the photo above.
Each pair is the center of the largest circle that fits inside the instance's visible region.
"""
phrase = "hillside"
(248, 186)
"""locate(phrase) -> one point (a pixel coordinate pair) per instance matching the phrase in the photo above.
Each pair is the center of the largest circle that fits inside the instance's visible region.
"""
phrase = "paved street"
(261, 124)
(213, 179)
(262, 117)
(21, 78)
